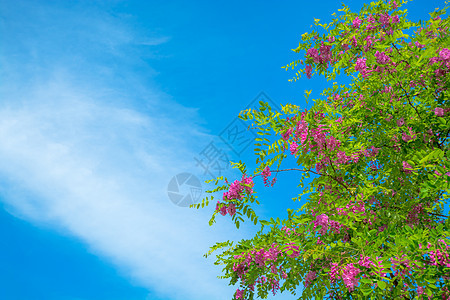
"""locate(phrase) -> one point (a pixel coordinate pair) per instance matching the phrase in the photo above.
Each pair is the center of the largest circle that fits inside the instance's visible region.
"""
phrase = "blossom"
(308, 70)
(439, 72)
(394, 4)
(384, 19)
(368, 44)
(400, 122)
(395, 19)
(419, 45)
(293, 148)
(309, 278)
(265, 174)
(382, 58)
(360, 64)
(349, 276)
(445, 54)
(357, 22)
(406, 137)
(407, 167)
(314, 53)
(223, 210)
(334, 272)
(239, 294)
(249, 182)
(287, 134)
(439, 112)
(321, 220)
(325, 53)
(217, 206)
(231, 209)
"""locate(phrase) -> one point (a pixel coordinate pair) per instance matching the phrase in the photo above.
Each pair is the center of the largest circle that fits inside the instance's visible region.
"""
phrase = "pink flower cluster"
(324, 57)
(440, 257)
(440, 112)
(362, 67)
(382, 58)
(287, 134)
(350, 272)
(224, 209)
(308, 70)
(260, 259)
(238, 187)
(401, 266)
(407, 137)
(444, 54)
(292, 247)
(321, 220)
(407, 168)
(235, 192)
(266, 174)
(309, 278)
(334, 272)
(357, 22)
(349, 276)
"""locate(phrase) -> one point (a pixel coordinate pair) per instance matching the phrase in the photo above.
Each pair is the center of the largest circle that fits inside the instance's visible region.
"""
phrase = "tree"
(373, 226)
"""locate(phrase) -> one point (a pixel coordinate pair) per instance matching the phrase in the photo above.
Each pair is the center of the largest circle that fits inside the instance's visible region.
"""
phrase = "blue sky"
(102, 103)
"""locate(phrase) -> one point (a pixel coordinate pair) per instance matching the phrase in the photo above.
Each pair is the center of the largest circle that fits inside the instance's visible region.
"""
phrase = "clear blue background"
(105, 101)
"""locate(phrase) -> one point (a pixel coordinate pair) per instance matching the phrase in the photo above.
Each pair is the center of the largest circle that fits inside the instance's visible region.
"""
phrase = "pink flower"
(308, 70)
(356, 22)
(309, 278)
(239, 294)
(287, 134)
(322, 220)
(407, 167)
(419, 45)
(360, 64)
(445, 54)
(231, 209)
(314, 53)
(349, 276)
(439, 72)
(248, 181)
(265, 174)
(406, 137)
(382, 58)
(439, 112)
(368, 43)
(354, 42)
(325, 54)
(420, 290)
(400, 122)
(394, 4)
(293, 148)
(334, 272)
(384, 19)
(223, 210)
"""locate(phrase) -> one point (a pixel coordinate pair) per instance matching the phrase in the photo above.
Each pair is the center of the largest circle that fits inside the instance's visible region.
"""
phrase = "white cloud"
(100, 173)
(83, 154)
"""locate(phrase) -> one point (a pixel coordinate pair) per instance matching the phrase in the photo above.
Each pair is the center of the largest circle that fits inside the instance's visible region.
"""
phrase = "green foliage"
(389, 231)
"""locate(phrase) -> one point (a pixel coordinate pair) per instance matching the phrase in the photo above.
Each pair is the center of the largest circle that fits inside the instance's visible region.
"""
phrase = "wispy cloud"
(85, 153)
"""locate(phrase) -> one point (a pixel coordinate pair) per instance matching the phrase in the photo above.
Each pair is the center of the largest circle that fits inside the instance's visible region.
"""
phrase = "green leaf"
(381, 284)
(263, 222)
